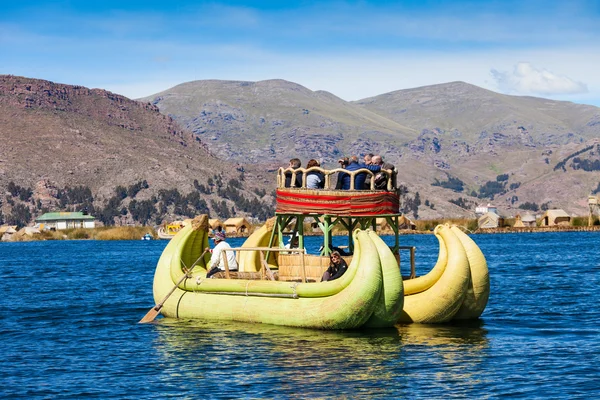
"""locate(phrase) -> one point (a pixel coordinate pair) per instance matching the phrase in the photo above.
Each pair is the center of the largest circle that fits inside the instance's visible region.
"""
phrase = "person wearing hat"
(217, 262)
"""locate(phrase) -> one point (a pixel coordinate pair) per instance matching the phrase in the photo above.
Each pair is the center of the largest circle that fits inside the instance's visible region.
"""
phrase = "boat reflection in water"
(276, 360)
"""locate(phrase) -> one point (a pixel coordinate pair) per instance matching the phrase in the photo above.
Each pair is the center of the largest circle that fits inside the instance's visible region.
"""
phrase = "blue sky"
(352, 49)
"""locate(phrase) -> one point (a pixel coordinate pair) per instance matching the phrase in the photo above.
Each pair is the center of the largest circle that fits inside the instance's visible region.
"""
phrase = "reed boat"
(348, 302)
(168, 231)
(280, 286)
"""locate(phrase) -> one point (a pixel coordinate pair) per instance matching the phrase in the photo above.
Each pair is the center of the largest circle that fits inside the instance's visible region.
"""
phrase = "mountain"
(455, 145)
(56, 136)
(275, 120)
(485, 145)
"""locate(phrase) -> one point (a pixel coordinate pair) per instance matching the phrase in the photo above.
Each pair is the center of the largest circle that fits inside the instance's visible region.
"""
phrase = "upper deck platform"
(328, 201)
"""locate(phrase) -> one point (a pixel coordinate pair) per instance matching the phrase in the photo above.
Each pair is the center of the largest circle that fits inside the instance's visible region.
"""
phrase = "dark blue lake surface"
(70, 311)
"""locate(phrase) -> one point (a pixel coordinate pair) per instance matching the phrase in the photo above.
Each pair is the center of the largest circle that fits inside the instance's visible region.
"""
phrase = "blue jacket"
(343, 181)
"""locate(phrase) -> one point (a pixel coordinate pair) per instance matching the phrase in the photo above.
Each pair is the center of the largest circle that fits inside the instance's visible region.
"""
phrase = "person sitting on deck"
(217, 260)
(314, 179)
(381, 178)
(343, 181)
(367, 161)
(337, 267)
(295, 163)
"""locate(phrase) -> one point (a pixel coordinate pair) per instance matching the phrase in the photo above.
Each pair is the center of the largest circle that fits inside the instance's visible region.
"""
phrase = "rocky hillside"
(275, 120)
(496, 147)
(218, 142)
(56, 136)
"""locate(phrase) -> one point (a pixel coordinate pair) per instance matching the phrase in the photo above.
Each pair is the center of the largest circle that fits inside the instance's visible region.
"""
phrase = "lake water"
(70, 311)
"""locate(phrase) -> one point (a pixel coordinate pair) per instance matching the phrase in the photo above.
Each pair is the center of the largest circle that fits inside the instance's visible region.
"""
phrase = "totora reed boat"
(281, 286)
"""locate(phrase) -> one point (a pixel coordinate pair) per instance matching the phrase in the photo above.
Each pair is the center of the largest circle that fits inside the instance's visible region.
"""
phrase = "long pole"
(153, 313)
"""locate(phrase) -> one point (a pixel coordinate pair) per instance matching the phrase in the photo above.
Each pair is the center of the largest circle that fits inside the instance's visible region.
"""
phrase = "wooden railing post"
(303, 265)
(225, 263)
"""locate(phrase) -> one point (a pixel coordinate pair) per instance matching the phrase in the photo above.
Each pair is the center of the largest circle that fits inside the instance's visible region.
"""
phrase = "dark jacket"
(288, 179)
(343, 181)
(336, 271)
(381, 178)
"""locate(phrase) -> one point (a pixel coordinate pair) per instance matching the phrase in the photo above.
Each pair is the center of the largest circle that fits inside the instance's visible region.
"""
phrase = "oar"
(151, 315)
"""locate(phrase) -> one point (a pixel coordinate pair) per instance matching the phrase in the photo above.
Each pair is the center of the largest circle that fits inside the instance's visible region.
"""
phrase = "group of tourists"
(362, 181)
(314, 180)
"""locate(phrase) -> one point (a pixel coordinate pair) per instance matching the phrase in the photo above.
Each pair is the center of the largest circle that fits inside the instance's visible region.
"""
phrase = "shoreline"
(134, 233)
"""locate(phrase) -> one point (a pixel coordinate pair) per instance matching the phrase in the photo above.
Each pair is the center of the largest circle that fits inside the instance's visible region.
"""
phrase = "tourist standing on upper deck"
(343, 181)
(314, 179)
(295, 163)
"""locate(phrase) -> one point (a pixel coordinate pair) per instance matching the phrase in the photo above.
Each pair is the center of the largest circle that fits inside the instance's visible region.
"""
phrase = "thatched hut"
(28, 231)
(7, 231)
(556, 217)
(403, 223)
(215, 224)
(237, 226)
(490, 220)
(526, 221)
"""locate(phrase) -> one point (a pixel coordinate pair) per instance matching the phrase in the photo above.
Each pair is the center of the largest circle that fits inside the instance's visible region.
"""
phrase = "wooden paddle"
(153, 313)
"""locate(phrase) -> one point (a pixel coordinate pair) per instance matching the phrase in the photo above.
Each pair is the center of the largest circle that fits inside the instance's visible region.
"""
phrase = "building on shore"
(403, 223)
(490, 220)
(556, 217)
(64, 220)
(237, 226)
(215, 224)
(481, 210)
(7, 232)
(525, 221)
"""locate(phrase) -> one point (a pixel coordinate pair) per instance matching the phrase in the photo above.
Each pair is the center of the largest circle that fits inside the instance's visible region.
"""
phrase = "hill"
(56, 138)
(499, 148)
(275, 120)
(218, 142)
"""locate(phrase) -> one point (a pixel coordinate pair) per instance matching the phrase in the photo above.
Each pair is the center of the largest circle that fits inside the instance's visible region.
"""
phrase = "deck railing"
(390, 176)
(265, 270)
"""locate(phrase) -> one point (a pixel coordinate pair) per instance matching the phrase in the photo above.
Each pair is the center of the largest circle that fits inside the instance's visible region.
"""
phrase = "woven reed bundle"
(200, 223)
(336, 202)
(290, 268)
(252, 276)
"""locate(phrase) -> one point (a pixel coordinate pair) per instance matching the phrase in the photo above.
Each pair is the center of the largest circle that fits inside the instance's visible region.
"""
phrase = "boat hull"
(345, 303)
(370, 294)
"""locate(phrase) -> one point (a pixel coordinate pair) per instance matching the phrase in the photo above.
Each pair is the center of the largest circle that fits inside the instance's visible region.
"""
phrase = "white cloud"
(527, 79)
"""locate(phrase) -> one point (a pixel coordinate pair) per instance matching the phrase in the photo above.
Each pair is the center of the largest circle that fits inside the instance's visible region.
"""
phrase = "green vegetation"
(529, 206)
(78, 198)
(579, 221)
(464, 223)
(533, 206)
(124, 203)
(586, 165)
(463, 203)
(452, 183)
(490, 189)
(562, 163)
(24, 194)
(20, 216)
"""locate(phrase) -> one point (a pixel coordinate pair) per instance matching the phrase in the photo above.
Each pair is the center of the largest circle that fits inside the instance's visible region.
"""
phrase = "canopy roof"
(236, 222)
(64, 216)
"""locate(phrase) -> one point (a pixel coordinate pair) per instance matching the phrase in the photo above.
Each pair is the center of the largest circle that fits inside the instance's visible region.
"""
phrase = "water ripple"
(69, 330)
